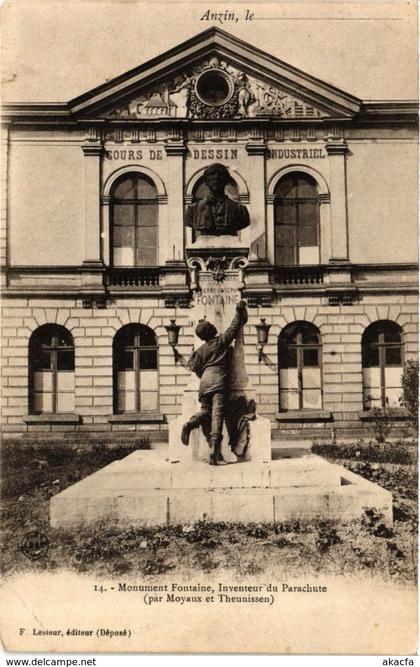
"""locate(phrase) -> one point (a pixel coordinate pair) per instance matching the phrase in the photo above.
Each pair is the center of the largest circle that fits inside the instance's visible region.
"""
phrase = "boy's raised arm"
(241, 317)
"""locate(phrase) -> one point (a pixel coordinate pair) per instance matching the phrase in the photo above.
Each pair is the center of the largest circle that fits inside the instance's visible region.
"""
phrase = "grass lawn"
(32, 474)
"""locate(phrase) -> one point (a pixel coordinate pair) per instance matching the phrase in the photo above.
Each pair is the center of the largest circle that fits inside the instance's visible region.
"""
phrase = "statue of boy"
(217, 214)
(211, 364)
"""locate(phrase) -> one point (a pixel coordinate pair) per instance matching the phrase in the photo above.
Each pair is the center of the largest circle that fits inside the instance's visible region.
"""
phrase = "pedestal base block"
(146, 489)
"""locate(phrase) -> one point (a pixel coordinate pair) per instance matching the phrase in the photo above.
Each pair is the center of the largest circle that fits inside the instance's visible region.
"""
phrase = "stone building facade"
(93, 244)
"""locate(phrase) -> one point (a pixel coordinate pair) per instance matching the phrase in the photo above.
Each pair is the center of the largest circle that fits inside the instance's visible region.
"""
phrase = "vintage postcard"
(209, 327)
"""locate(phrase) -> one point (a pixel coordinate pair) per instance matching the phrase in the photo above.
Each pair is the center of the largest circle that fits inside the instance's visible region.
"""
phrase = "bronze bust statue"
(217, 214)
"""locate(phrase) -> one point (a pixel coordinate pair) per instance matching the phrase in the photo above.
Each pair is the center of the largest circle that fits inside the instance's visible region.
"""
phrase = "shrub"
(410, 390)
(326, 536)
(381, 424)
(402, 452)
(375, 523)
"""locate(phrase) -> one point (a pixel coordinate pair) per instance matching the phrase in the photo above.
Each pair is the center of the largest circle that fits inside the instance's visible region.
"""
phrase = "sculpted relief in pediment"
(213, 90)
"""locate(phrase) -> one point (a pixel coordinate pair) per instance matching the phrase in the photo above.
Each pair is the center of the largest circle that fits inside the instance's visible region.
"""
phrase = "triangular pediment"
(213, 90)
(215, 76)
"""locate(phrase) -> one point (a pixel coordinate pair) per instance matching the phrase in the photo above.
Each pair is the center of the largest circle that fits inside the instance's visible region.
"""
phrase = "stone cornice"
(175, 149)
(382, 112)
(92, 150)
(324, 198)
(371, 266)
(40, 109)
(389, 108)
(336, 148)
(366, 279)
(256, 149)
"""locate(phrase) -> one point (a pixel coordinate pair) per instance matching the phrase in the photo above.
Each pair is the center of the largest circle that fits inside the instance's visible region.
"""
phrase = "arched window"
(51, 370)
(299, 364)
(296, 220)
(136, 383)
(134, 221)
(382, 361)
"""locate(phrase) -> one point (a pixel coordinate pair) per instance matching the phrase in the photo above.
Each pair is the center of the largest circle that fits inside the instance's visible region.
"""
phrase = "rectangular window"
(148, 391)
(65, 360)
(393, 356)
(308, 214)
(285, 255)
(42, 360)
(148, 359)
(124, 256)
(372, 396)
(124, 215)
(393, 385)
(147, 215)
(311, 383)
(42, 388)
(311, 399)
(307, 235)
(287, 214)
(288, 357)
(123, 237)
(308, 255)
(310, 357)
(289, 389)
(370, 356)
(146, 256)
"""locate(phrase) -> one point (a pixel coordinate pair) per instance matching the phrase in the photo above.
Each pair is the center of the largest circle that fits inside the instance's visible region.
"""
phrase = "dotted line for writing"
(308, 18)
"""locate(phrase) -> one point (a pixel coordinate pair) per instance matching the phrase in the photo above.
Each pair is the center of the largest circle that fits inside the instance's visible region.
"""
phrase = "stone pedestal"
(146, 489)
(216, 265)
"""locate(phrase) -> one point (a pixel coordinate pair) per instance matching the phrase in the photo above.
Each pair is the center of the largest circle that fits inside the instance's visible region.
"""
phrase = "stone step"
(145, 489)
(291, 443)
(148, 470)
(154, 507)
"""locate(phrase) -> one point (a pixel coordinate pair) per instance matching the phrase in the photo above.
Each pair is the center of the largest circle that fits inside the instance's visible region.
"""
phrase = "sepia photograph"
(209, 327)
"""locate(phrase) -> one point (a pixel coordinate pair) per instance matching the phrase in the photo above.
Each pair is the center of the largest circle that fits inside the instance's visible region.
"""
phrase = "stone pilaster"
(258, 241)
(4, 202)
(324, 226)
(339, 227)
(106, 229)
(93, 261)
(174, 274)
(92, 239)
(175, 187)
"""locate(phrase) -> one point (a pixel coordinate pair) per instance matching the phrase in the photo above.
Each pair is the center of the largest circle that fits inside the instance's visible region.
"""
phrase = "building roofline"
(205, 39)
(340, 104)
(381, 109)
(241, 53)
